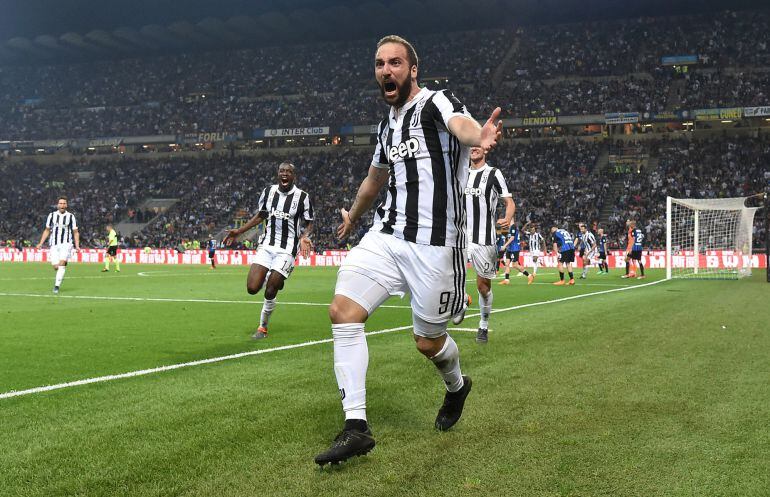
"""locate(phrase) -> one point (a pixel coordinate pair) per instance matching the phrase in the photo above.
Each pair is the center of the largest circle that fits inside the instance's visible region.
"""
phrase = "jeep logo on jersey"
(280, 214)
(476, 192)
(404, 150)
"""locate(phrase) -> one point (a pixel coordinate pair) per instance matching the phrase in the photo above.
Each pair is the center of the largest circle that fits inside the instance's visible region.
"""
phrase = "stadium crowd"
(553, 182)
(702, 168)
(559, 69)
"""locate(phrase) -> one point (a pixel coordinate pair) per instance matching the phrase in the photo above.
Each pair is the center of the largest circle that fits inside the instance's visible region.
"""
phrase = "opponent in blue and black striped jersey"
(211, 246)
(565, 246)
(634, 249)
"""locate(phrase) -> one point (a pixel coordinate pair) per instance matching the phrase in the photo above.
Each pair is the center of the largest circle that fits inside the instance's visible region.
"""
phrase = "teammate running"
(282, 205)
(61, 229)
(485, 186)
(565, 247)
(417, 242)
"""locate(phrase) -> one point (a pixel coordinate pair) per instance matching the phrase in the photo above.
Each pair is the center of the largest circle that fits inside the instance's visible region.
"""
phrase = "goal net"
(709, 238)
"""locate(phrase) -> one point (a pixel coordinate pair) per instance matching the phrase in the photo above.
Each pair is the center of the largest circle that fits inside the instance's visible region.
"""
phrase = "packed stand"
(726, 167)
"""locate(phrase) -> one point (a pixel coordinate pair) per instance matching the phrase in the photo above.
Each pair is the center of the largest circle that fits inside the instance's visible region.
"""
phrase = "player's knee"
(343, 310)
(428, 347)
(271, 291)
(252, 287)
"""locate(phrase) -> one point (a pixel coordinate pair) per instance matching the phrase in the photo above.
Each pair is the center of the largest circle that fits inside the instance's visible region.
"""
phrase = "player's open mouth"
(389, 87)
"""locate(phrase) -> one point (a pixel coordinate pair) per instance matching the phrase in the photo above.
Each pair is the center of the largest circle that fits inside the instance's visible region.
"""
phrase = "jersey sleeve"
(500, 186)
(380, 157)
(307, 209)
(48, 221)
(74, 223)
(449, 106)
(262, 204)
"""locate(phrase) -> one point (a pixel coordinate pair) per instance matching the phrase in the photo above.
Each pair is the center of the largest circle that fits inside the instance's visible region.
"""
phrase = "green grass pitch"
(658, 390)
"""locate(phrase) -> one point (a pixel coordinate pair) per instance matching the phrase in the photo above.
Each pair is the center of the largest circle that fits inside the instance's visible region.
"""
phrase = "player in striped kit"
(587, 242)
(282, 205)
(564, 245)
(604, 268)
(485, 186)
(61, 229)
(535, 244)
(634, 251)
(513, 249)
(417, 241)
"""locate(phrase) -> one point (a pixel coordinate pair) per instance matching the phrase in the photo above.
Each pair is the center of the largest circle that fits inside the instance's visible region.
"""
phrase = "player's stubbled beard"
(403, 91)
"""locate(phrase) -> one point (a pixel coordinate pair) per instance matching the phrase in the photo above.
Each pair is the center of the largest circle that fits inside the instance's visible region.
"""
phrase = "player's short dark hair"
(61, 197)
(286, 163)
(411, 53)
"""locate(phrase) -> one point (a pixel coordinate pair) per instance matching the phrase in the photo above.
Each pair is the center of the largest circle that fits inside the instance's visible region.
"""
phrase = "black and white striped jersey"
(428, 168)
(485, 186)
(282, 212)
(535, 241)
(61, 227)
(588, 240)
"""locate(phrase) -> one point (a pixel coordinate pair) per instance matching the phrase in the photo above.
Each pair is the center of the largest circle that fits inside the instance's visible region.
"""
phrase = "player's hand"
(344, 229)
(230, 237)
(305, 246)
(39, 245)
(492, 131)
(504, 223)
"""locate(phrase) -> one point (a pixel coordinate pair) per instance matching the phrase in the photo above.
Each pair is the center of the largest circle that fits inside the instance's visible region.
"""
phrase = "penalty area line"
(171, 367)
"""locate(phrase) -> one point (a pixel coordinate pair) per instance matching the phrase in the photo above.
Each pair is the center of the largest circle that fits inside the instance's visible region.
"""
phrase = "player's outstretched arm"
(76, 235)
(471, 134)
(233, 234)
(367, 194)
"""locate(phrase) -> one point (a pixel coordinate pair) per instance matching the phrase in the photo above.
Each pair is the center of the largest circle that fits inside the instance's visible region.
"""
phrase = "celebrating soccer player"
(416, 244)
(111, 254)
(62, 228)
(634, 250)
(282, 205)
(565, 247)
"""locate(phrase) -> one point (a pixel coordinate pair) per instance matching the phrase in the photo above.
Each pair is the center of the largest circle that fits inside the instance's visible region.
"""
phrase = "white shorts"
(60, 252)
(434, 276)
(274, 260)
(590, 254)
(536, 253)
(483, 259)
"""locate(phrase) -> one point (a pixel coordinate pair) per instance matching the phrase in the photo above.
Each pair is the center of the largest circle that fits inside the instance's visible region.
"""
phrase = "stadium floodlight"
(709, 238)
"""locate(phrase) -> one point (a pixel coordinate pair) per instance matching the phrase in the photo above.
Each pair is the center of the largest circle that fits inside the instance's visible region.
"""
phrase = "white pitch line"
(212, 360)
(152, 299)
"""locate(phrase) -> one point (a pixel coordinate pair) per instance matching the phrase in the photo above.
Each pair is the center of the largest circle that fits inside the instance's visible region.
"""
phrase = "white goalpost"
(709, 238)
